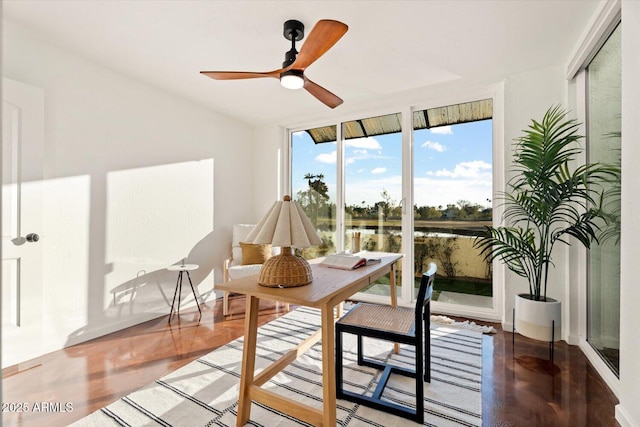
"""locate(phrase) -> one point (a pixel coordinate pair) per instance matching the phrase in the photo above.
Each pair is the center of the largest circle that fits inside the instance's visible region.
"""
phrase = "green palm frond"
(547, 200)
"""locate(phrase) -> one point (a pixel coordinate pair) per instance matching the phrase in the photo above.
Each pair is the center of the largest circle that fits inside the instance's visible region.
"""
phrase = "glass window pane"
(453, 187)
(313, 185)
(603, 145)
(373, 189)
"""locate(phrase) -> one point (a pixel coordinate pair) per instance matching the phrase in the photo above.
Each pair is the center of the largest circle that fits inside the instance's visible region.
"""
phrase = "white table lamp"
(285, 225)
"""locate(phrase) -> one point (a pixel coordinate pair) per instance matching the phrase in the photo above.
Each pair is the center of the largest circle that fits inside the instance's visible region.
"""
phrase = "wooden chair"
(234, 268)
(401, 325)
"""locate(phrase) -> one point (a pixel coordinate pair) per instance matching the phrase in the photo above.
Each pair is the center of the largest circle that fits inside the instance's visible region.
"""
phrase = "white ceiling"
(391, 46)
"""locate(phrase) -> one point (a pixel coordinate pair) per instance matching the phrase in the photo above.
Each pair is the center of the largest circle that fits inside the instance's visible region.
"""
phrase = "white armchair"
(233, 267)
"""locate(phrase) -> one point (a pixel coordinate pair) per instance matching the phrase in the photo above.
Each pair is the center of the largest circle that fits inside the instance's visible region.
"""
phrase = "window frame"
(606, 19)
(450, 96)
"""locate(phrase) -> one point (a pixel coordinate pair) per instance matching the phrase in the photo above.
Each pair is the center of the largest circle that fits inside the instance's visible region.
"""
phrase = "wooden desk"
(330, 287)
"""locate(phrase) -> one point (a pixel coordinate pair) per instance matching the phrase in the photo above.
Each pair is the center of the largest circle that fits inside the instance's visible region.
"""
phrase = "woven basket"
(285, 271)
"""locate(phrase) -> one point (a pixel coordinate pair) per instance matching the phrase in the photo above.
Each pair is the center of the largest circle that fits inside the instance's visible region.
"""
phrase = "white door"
(22, 171)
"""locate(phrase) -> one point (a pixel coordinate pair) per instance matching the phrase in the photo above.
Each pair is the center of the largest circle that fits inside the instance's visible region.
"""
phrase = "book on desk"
(348, 261)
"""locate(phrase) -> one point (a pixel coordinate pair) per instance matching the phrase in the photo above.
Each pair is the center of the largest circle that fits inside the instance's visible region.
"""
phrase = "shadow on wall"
(149, 294)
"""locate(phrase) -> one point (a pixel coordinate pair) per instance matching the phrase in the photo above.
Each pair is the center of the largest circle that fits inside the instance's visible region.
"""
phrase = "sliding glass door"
(418, 182)
(373, 188)
(452, 197)
(603, 145)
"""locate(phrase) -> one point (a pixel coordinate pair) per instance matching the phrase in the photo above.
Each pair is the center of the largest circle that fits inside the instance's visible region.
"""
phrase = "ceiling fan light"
(292, 79)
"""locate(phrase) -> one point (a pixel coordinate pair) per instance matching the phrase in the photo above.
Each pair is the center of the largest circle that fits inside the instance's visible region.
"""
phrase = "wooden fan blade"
(322, 94)
(322, 37)
(238, 75)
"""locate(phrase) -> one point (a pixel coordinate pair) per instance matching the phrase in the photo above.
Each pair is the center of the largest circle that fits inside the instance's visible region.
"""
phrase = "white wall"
(269, 164)
(628, 411)
(528, 96)
(136, 180)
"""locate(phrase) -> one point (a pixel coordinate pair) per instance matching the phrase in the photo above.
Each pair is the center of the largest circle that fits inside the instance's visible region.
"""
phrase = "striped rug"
(205, 392)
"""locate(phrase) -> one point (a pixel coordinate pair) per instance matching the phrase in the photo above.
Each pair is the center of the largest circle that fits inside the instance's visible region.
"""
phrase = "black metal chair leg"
(419, 375)
(427, 343)
(338, 338)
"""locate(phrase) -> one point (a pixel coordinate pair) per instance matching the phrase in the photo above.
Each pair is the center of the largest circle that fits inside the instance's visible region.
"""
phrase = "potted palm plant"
(545, 202)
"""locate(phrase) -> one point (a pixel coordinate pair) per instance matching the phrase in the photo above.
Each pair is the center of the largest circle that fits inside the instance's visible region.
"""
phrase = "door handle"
(32, 237)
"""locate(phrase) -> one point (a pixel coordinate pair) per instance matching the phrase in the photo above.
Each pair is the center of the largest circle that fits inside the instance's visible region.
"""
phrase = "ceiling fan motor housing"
(293, 31)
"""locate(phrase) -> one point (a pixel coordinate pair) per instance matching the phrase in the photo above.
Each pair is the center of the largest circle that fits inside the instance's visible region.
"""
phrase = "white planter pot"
(534, 319)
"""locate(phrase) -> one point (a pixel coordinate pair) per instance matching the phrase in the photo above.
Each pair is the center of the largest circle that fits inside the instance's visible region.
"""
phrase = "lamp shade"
(285, 225)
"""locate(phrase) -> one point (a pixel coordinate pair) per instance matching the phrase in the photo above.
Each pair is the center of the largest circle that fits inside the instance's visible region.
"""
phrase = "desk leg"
(248, 360)
(394, 298)
(328, 367)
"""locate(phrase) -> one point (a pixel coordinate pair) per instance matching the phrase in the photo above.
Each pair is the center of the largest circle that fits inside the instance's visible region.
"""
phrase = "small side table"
(183, 268)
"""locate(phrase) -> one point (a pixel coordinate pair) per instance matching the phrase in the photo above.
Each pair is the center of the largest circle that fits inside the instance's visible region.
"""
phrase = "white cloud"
(441, 192)
(329, 158)
(367, 143)
(378, 170)
(467, 170)
(370, 189)
(428, 191)
(298, 134)
(435, 146)
(363, 149)
(470, 181)
(442, 130)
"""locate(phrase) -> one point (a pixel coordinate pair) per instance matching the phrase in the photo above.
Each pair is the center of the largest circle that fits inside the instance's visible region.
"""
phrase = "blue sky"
(451, 163)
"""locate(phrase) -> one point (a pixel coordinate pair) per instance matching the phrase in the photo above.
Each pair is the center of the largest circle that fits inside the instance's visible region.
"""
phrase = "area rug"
(467, 324)
(205, 392)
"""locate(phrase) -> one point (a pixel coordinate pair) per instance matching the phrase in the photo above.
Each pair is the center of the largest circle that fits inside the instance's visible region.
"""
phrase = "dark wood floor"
(519, 387)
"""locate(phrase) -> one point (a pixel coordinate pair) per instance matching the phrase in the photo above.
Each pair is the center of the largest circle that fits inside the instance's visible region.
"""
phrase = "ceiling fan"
(323, 36)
